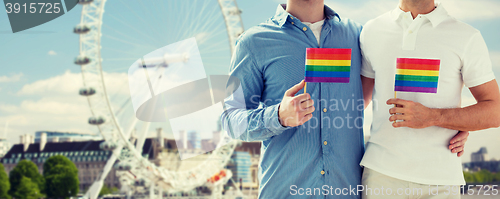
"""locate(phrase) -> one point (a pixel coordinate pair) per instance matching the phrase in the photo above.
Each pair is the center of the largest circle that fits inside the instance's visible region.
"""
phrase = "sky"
(39, 83)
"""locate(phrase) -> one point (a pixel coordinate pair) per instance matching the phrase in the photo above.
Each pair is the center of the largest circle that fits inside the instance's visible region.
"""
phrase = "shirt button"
(409, 31)
(291, 17)
(322, 172)
(325, 143)
(324, 110)
(292, 23)
(304, 28)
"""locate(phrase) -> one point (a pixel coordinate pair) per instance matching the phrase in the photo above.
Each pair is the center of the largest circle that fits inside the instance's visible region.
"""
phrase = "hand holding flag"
(414, 75)
(295, 110)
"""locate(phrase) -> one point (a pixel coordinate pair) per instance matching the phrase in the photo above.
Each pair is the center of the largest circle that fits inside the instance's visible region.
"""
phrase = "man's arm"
(483, 115)
(367, 84)
(457, 143)
(245, 117)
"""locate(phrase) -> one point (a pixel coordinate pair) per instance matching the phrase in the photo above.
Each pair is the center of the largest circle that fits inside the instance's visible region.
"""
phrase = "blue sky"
(39, 82)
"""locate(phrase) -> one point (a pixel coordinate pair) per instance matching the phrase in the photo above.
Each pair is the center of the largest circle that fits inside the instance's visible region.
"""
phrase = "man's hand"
(412, 114)
(457, 143)
(295, 110)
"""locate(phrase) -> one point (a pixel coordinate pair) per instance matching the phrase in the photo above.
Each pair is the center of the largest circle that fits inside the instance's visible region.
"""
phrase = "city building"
(253, 151)
(244, 162)
(4, 146)
(53, 136)
(480, 160)
(240, 167)
(194, 139)
(182, 141)
(86, 155)
(480, 156)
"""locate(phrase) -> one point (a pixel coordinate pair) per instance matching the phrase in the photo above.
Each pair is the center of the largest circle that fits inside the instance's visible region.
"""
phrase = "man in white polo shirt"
(407, 150)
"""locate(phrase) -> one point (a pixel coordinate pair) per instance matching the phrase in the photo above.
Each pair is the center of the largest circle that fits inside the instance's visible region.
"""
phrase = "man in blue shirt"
(304, 152)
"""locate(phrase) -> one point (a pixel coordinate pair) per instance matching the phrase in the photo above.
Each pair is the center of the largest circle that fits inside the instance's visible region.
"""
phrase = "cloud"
(361, 12)
(52, 114)
(495, 59)
(8, 108)
(69, 83)
(467, 98)
(368, 119)
(54, 104)
(472, 10)
(202, 37)
(464, 10)
(52, 53)
(49, 106)
(11, 78)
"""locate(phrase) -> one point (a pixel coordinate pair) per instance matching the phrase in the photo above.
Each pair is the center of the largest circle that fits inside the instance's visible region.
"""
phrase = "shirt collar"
(437, 16)
(282, 15)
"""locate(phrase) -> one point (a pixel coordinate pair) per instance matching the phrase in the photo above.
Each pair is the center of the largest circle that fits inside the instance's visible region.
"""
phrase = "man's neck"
(417, 7)
(307, 10)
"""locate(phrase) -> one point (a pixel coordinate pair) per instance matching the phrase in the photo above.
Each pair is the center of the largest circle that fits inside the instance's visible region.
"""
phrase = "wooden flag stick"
(395, 96)
(305, 87)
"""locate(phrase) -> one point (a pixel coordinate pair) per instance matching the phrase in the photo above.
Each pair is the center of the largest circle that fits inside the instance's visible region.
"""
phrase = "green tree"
(114, 190)
(496, 177)
(28, 169)
(27, 189)
(61, 177)
(469, 177)
(4, 183)
(107, 190)
(483, 176)
(104, 191)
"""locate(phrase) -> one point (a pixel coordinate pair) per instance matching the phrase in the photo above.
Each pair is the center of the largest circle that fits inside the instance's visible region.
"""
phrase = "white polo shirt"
(420, 155)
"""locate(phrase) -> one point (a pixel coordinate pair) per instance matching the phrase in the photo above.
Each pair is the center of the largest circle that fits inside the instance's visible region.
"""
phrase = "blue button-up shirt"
(322, 154)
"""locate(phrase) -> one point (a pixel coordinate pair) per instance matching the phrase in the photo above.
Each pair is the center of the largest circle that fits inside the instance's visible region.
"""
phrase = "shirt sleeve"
(476, 63)
(245, 117)
(366, 66)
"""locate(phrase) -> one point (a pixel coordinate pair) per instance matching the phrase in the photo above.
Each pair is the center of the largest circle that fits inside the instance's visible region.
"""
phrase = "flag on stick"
(330, 65)
(417, 75)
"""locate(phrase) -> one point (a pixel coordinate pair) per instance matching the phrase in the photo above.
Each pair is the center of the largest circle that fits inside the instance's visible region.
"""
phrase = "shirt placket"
(323, 120)
(327, 28)
(324, 112)
(323, 90)
(410, 32)
(308, 33)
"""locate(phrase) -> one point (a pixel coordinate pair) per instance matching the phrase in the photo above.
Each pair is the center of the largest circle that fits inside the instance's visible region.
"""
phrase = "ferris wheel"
(211, 22)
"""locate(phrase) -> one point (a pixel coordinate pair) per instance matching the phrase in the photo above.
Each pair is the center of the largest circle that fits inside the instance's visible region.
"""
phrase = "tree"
(4, 183)
(469, 177)
(28, 169)
(496, 177)
(61, 177)
(27, 189)
(483, 176)
(105, 190)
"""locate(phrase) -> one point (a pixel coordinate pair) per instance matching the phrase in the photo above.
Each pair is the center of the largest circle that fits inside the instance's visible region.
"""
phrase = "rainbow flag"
(417, 75)
(331, 65)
